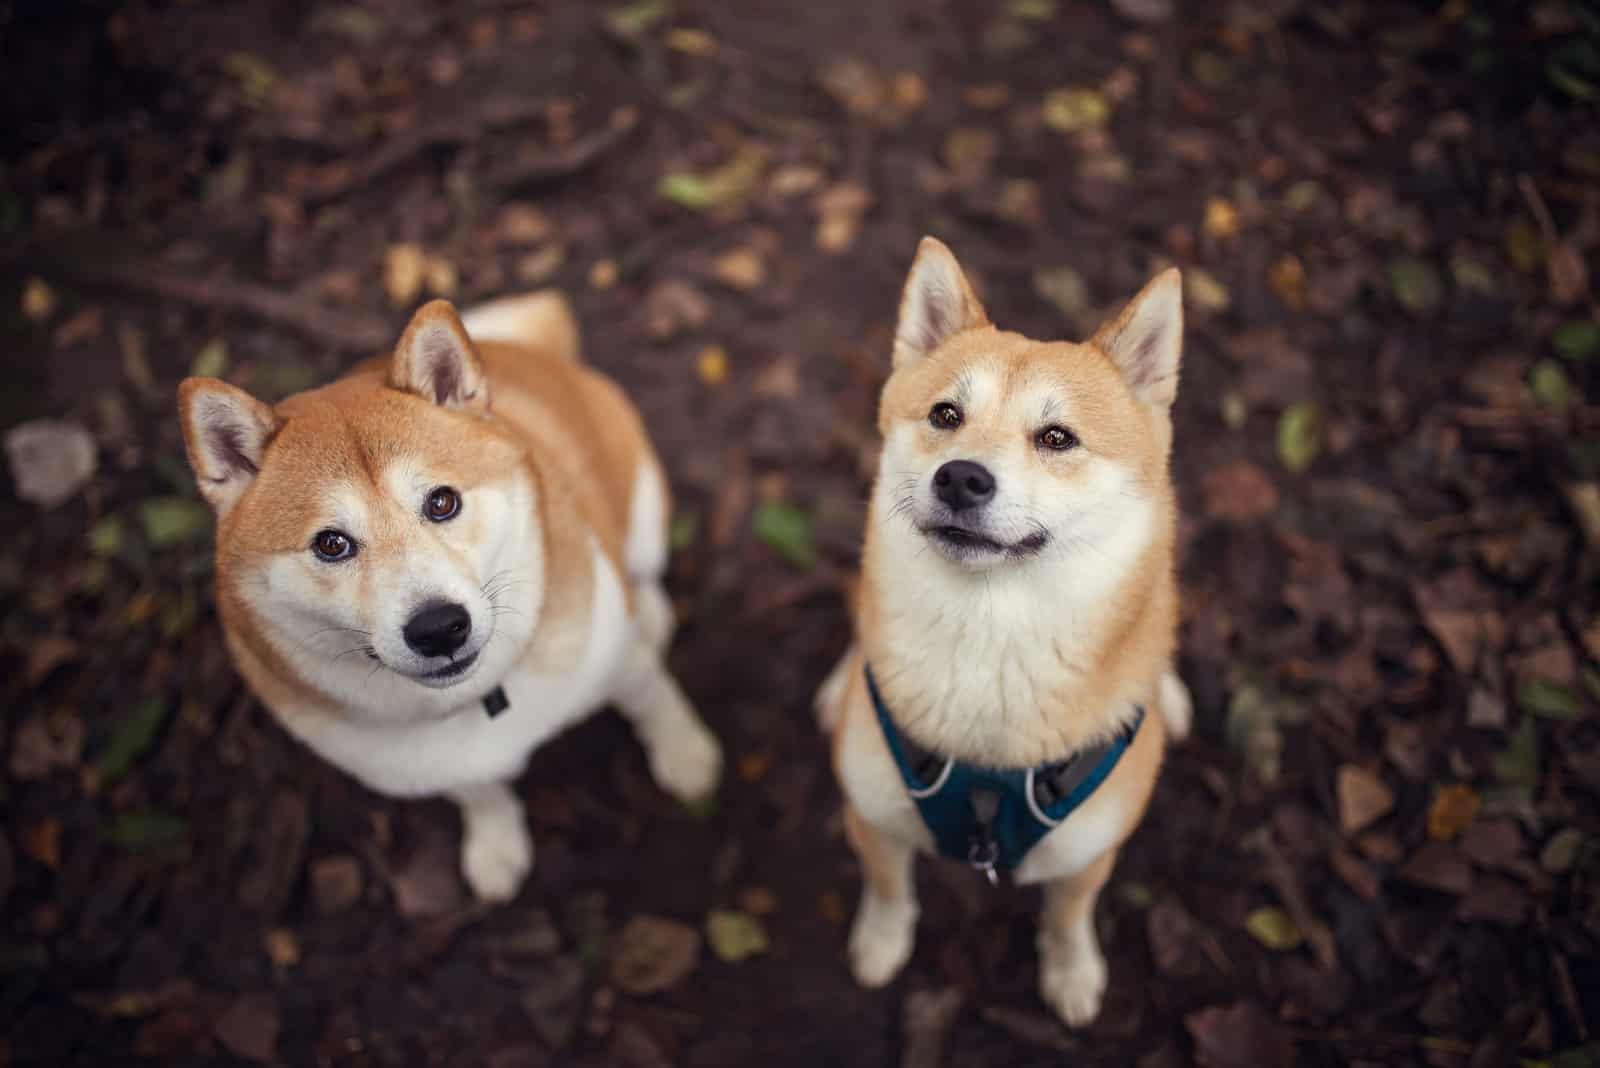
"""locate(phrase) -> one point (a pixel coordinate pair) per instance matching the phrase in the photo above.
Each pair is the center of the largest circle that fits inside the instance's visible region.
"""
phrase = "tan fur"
(570, 425)
(1079, 677)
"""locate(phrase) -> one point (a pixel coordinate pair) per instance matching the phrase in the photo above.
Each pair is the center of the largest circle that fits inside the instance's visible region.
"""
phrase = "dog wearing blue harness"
(1016, 617)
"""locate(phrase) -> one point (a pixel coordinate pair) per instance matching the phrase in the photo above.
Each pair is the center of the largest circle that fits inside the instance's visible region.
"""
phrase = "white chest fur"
(467, 747)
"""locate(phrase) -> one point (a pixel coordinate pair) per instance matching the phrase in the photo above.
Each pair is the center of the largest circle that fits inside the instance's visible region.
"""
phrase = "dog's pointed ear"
(225, 433)
(1146, 340)
(937, 304)
(435, 360)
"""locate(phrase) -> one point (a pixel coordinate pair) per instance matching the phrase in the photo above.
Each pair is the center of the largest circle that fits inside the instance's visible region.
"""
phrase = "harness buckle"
(982, 855)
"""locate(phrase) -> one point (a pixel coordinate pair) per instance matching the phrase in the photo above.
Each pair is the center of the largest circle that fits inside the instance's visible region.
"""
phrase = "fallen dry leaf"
(405, 269)
(742, 269)
(603, 275)
(652, 954)
(1363, 798)
(1221, 219)
(1242, 1035)
(1072, 110)
(1438, 866)
(674, 305)
(735, 936)
(38, 300)
(712, 365)
(1452, 811)
(250, 1026)
(1238, 491)
(1287, 278)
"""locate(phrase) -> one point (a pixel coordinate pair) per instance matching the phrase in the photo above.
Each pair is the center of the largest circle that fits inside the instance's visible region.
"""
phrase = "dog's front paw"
(881, 940)
(1074, 984)
(496, 857)
(687, 763)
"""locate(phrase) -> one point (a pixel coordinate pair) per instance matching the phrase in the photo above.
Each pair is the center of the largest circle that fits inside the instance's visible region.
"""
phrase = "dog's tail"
(1177, 708)
(829, 702)
(543, 319)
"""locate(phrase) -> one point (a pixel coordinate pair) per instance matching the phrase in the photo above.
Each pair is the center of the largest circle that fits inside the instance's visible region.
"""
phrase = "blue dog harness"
(992, 817)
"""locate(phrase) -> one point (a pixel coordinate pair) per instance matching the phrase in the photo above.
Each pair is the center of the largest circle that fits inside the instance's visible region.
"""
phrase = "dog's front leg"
(496, 849)
(886, 920)
(684, 756)
(1072, 970)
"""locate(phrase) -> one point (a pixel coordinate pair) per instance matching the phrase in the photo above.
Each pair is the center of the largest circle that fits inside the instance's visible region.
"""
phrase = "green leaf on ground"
(130, 739)
(1032, 10)
(1518, 762)
(1545, 698)
(685, 528)
(1300, 435)
(1273, 928)
(638, 18)
(170, 521)
(212, 359)
(787, 531)
(728, 183)
(1550, 385)
(1577, 340)
(105, 537)
(1416, 284)
(735, 936)
(147, 830)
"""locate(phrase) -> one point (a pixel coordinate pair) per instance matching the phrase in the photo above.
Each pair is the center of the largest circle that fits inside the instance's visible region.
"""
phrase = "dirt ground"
(1382, 846)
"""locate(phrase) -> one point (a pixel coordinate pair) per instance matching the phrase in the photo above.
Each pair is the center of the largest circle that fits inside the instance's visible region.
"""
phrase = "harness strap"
(992, 817)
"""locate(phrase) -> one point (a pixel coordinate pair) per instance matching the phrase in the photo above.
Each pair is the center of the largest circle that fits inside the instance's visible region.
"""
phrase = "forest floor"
(1382, 845)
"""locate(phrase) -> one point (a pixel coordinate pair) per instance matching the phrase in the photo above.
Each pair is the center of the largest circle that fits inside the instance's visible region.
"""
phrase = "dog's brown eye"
(443, 503)
(945, 416)
(1058, 438)
(333, 545)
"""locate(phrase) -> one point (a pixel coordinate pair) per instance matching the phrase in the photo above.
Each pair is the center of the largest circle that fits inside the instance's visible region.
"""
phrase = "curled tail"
(829, 701)
(543, 318)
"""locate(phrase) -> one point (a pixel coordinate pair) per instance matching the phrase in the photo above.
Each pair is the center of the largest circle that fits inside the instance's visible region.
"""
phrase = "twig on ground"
(529, 168)
(344, 330)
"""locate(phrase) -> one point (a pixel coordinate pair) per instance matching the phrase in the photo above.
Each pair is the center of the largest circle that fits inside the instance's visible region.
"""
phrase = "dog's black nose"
(438, 628)
(962, 484)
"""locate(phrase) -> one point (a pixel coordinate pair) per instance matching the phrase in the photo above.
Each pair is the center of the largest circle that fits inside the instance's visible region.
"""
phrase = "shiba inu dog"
(427, 568)
(1016, 616)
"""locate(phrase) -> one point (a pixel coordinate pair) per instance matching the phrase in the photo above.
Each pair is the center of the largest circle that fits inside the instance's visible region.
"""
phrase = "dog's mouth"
(450, 672)
(965, 543)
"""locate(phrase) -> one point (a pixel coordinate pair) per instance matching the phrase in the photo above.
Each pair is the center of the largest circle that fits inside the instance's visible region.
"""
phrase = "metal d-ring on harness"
(983, 852)
(992, 817)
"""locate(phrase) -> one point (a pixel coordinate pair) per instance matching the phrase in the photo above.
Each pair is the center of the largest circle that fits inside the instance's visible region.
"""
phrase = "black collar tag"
(496, 701)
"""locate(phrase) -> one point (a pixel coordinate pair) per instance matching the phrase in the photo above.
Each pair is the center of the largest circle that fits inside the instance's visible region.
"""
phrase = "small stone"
(51, 460)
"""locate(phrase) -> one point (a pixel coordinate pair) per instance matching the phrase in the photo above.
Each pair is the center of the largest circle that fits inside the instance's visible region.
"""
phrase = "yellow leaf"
(1287, 277)
(1222, 218)
(603, 275)
(443, 278)
(282, 946)
(712, 365)
(1071, 110)
(404, 266)
(38, 300)
(1273, 928)
(691, 42)
(910, 91)
(1452, 811)
(743, 268)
